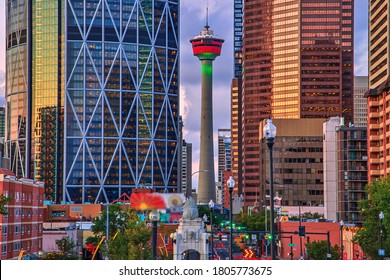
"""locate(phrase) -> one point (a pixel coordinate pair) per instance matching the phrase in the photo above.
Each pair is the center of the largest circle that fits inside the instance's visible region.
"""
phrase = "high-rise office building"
(238, 25)
(297, 164)
(360, 87)
(2, 122)
(92, 96)
(297, 63)
(224, 154)
(236, 132)
(186, 168)
(345, 170)
(378, 97)
(236, 95)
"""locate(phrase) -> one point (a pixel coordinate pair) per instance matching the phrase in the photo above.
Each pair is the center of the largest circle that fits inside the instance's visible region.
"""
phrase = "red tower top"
(206, 45)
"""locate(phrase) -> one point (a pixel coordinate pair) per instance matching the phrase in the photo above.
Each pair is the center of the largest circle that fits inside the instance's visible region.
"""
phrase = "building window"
(16, 230)
(16, 247)
(3, 249)
(4, 230)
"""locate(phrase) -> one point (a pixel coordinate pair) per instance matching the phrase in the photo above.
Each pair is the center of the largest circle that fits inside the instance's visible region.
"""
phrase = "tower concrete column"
(206, 187)
(206, 47)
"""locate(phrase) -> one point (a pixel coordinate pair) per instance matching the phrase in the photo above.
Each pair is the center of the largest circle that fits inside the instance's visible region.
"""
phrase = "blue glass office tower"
(92, 96)
(121, 101)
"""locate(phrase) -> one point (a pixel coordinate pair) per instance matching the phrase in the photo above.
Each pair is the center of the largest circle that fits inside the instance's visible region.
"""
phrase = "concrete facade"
(297, 164)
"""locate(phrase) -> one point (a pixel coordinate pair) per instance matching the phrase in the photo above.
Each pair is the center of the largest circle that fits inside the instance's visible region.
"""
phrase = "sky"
(192, 21)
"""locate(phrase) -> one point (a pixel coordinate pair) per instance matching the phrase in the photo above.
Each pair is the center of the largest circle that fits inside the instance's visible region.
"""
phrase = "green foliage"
(307, 215)
(255, 221)
(3, 201)
(93, 240)
(318, 250)
(116, 220)
(368, 237)
(132, 241)
(67, 248)
(217, 217)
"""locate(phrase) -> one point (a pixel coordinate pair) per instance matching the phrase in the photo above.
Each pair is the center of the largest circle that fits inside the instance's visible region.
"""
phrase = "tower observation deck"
(206, 47)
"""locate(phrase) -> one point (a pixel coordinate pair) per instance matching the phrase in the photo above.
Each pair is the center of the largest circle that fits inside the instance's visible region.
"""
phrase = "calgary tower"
(206, 47)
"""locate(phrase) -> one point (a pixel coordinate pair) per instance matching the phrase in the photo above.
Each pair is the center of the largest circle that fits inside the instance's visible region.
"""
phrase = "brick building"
(21, 228)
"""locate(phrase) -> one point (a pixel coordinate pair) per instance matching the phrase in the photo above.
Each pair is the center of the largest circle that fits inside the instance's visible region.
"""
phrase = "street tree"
(116, 222)
(217, 217)
(3, 201)
(132, 242)
(67, 250)
(253, 221)
(369, 236)
(318, 250)
(307, 215)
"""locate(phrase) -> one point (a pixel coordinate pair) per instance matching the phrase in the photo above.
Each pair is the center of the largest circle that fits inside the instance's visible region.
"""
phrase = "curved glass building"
(109, 120)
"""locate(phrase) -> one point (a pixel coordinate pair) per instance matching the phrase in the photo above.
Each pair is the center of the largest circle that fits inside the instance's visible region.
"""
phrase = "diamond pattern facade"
(92, 96)
(121, 101)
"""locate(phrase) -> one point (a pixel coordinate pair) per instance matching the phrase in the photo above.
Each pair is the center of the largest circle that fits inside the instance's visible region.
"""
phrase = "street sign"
(291, 244)
(381, 252)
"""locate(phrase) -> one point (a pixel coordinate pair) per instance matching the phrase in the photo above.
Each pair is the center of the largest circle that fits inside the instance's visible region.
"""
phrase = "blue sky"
(221, 21)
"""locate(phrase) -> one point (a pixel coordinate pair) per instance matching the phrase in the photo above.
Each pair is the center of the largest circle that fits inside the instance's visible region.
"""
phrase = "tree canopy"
(67, 250)
(129, 237)
(132, 241)
(3, 201)
(318, 250)
(254, 221)
(369, 236)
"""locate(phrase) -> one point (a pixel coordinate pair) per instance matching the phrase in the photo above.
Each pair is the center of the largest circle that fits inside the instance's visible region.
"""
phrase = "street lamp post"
(189, 186)
(154, 216)
(211, 206)
(230, 184)
(341, 239)
(381, 217)
(269, 131)
(107, 228)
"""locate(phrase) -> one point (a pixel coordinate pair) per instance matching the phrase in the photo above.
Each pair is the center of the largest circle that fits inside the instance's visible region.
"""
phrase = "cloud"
(193, 19)
(361, 38)
(361, 59)
(2, 78)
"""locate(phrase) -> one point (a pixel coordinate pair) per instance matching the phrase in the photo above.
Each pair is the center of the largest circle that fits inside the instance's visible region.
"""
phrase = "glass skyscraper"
(101, 99)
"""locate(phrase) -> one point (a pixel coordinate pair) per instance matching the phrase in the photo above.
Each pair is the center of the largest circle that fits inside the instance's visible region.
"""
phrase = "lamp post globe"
(269, 131)
(154, 216)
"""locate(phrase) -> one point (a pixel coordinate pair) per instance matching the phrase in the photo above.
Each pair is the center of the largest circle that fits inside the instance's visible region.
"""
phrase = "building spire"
(207, 16)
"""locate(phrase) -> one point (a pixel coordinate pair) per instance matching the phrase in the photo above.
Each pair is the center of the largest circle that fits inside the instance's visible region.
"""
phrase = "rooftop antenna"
(207, 16)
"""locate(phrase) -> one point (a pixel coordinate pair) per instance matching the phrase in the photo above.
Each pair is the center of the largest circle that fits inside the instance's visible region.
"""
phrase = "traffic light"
(302, 231)
(269, 236)
(261, 236)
